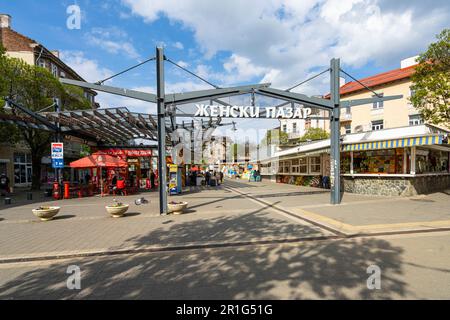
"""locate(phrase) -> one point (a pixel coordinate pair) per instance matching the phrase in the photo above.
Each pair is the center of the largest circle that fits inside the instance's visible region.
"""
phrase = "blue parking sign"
(57, 163)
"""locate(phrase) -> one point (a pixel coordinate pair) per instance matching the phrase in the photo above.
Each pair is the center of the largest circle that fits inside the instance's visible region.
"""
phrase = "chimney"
(55, 53)
(5, 20)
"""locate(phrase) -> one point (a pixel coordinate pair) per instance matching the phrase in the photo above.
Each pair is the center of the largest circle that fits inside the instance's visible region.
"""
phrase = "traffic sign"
(57, 150)
(57, 163)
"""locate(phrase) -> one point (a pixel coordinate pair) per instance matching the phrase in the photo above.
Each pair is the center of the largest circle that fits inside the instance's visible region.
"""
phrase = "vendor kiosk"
(175, 179)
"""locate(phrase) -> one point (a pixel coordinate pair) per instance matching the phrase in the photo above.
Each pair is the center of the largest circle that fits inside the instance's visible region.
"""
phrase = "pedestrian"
(152, 179)
(207, 177)
(221, 177)
(4, 184)
(87, 178)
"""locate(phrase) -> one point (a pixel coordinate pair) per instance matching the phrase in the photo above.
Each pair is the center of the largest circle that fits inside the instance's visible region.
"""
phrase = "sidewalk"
(357, 214)
(216, 216)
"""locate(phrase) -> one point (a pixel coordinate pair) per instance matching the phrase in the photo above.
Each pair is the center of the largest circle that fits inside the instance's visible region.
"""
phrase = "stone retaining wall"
(396, 186)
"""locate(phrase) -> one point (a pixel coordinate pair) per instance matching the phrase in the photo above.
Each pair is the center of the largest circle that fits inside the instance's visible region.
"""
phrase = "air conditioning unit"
(359, 129)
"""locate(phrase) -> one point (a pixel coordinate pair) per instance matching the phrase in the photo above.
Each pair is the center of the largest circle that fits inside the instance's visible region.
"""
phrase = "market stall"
(103, 168)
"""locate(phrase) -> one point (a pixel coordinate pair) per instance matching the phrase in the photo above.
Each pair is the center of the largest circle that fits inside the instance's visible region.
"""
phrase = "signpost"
(57, 154)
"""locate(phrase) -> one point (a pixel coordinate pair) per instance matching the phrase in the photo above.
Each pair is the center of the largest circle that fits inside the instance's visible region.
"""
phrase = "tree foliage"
(274, 136)
(314, 134)
(431, 82)
(34, 88)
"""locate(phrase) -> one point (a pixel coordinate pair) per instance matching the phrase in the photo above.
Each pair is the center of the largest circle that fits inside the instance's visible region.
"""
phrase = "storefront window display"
(345, 162)
(430, 161)
(378, 161)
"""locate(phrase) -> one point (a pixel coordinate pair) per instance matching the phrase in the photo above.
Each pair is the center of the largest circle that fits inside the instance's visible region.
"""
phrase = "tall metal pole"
(335, 129)
(161, 130)
(58, 139)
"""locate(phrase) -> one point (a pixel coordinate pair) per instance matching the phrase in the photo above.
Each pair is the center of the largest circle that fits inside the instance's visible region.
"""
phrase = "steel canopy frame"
(163, 100)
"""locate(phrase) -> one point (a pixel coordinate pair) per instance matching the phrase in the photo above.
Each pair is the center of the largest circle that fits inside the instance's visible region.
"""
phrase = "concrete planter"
(177, 208)
(47, 213)
(117, 211)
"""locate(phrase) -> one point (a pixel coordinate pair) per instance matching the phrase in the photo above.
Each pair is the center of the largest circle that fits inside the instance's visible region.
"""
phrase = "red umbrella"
(99, 160)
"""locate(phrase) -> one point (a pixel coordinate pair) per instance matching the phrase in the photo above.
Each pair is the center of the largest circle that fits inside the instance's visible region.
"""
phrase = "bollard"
(29, 196)
(7, 201)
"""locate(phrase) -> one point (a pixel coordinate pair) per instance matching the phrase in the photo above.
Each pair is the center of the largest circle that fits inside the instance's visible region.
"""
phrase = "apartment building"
(381, 115)
(15, 160)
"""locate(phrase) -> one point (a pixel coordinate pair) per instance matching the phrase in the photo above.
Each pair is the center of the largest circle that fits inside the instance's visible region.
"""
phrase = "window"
(415, 120)
(307, 123)
(41, 63)
(378, 161)
(295, 166)
(294, 127)
(287, 167)
(348, 110)
(284, 167)
(22, 169)
(55, 70)
(284, 129)
(303, 165)
(348, 128)
(379, 104)
(314, 164)
(377, 125)
(428, 160)
(412, 92)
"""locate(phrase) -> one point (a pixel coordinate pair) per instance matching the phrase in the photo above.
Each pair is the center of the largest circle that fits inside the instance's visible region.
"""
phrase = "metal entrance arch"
(163, 101)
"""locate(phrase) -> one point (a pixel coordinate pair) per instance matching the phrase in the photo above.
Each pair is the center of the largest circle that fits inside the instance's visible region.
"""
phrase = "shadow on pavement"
(320, 269)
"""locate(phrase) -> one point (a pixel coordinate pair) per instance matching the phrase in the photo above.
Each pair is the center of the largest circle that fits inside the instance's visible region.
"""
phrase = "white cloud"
(112, 40)
(178, 45)
(86, 68)
(183, 64)
(284, 40)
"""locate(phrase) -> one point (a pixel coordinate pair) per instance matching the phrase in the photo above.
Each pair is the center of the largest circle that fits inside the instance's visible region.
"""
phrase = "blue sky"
(230, 42)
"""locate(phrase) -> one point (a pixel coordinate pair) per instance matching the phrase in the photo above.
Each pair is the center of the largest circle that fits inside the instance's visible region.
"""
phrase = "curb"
(344, 232)
(126, 251)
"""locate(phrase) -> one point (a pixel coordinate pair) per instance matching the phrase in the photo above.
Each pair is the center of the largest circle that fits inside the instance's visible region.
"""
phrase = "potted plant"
(46, 213)
(177, 207)
(117, 209)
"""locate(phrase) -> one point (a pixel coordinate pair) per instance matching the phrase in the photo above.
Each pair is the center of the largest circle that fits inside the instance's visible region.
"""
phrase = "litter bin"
(66, 190)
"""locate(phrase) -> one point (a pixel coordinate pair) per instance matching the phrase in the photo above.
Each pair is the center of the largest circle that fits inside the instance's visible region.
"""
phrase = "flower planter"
(177, 208)
(117, 211)
(46, 213)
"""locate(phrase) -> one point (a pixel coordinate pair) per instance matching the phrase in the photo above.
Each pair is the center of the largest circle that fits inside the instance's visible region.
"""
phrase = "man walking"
(152, 179)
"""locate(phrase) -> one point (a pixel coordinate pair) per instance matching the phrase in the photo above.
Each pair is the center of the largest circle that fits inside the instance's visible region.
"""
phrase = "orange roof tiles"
(378, 79)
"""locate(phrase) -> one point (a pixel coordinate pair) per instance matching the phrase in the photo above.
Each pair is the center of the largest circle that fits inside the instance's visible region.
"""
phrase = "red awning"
(99, 160)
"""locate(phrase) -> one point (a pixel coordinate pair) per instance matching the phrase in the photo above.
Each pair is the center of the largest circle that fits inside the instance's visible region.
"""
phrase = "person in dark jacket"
(4, 184)
(152, 179)
(207, 177)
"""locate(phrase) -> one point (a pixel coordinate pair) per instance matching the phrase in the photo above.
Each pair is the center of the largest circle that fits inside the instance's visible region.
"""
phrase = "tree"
(34, 88)
(314, 134)
(274, 136)
(431, 82)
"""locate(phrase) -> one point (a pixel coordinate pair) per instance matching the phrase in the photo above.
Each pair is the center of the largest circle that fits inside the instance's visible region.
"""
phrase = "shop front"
(140, 164)
(393, 162)
(402, 166)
